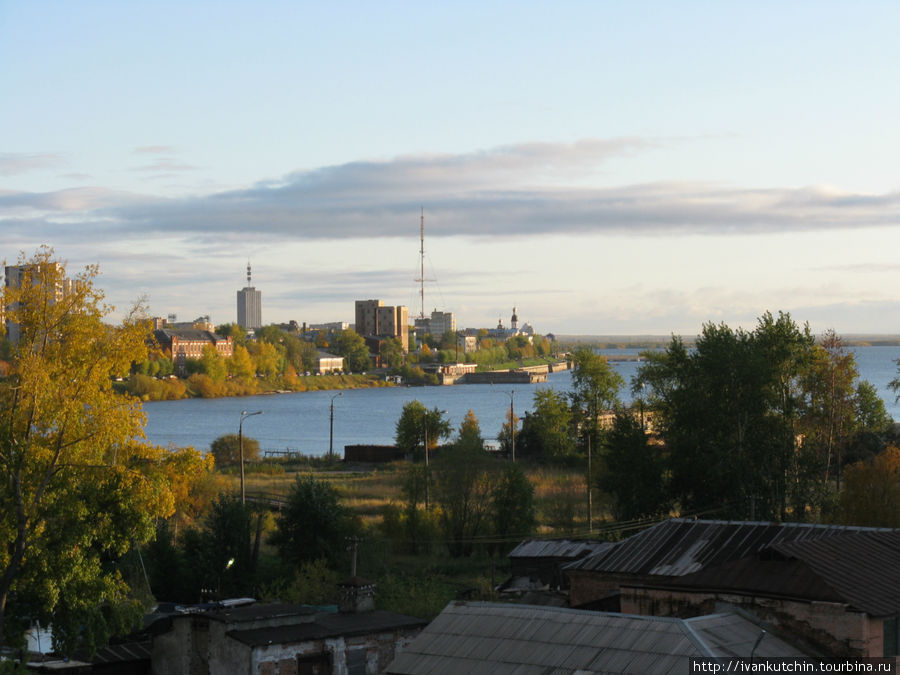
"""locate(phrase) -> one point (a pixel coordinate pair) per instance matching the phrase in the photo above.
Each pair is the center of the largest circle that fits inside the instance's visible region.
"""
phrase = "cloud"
(528, 189)
(13, 163)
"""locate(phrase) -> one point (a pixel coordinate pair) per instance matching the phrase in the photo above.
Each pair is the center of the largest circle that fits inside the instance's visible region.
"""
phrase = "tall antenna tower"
(248, 274)
(421, 278)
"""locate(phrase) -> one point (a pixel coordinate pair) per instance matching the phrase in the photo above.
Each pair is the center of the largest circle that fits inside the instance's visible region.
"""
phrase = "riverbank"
(200, 386)
(172, 388)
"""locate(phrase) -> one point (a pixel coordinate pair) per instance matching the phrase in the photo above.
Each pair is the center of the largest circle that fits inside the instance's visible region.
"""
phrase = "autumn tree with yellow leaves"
(77, 490)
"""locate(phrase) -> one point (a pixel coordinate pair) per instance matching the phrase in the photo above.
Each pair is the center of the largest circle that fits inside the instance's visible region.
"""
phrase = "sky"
(607, 168)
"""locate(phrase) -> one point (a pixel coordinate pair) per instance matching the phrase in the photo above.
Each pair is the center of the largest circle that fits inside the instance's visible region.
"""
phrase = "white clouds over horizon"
(605, 167)
(503, 192)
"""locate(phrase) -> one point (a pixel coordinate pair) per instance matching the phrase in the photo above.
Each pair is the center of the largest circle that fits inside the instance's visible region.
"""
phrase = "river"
(301, 421)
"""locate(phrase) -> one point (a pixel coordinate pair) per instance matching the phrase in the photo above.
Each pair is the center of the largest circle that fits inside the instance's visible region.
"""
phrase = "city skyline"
(632, 169)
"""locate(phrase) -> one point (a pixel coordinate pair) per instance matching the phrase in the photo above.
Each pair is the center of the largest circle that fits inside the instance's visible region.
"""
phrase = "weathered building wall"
(828, 627)
(374, 651)
(586, 587)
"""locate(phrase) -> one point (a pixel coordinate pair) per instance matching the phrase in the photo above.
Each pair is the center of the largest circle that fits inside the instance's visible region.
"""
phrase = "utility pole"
(244, 415)
(331, 429)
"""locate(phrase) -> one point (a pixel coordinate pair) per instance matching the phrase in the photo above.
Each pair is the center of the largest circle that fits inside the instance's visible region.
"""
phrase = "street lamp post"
(512, 423)
(244, 415)
(331, 428)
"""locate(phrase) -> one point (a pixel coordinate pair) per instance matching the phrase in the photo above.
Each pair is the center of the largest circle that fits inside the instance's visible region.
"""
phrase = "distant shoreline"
(661, 341)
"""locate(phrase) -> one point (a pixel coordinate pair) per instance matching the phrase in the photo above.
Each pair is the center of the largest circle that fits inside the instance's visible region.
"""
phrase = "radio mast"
(421, 278)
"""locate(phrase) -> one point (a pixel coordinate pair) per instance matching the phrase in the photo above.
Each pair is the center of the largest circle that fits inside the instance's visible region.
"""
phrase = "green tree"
(271, 334)
(730, 411)
(227, 548)
(512, 505)
(547, 430)
(313, 523)
(634, 471)
(75, 491)
(874, 426)
(392, 352)
(236, 332)
(300, 354)
(213, 364)
(353, 348)
(416, 423)
(463, 486)
(227, 449)
(829, 416)
(595, 389)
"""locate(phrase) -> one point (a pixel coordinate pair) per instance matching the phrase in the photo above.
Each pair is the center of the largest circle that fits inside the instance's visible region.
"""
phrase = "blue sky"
(606, 167)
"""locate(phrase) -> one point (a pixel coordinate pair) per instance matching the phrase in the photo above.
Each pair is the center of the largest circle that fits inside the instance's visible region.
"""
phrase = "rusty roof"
(682, 546)
(495, 638)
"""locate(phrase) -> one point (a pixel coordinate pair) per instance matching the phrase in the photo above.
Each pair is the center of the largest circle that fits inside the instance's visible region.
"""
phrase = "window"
(356, 662)
(891, 628)
(314, 664)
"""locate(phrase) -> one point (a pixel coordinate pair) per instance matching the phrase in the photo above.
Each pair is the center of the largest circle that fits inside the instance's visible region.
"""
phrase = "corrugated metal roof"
(861, 569)
(558, 548)
(681, 546)
(566, 641)
(325, 625)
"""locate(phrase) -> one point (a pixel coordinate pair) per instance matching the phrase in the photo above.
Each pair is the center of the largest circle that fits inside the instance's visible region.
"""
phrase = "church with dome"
(502, 333)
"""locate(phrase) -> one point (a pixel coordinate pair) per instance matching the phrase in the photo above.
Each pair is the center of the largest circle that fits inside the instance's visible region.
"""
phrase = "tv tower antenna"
(248, 274)
(421, 278)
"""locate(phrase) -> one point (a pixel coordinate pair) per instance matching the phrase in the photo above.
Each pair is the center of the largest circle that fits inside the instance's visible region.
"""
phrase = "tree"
(267, 357)
(463, 486)
(212, 364)
(507, 435)
(634, 471)
(300, 354)
(547, 430)
(227, 449)
(512, 504)
(75, 491)
(235, 331)
(871, 494)
(392, 352)
(240, 365)
(313, 523)
(595, 389)
(416, 423)
(874, 426)
(226, 541)
(829, 415)
(731, 412)
(353, 348)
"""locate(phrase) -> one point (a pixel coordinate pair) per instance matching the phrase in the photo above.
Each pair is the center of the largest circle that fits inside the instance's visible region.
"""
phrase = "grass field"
(559, 493)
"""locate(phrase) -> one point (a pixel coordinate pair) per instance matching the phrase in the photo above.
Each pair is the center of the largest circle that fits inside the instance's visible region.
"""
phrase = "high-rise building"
(249, 306)
(374, 319)
(367, 317)
(16, 276)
